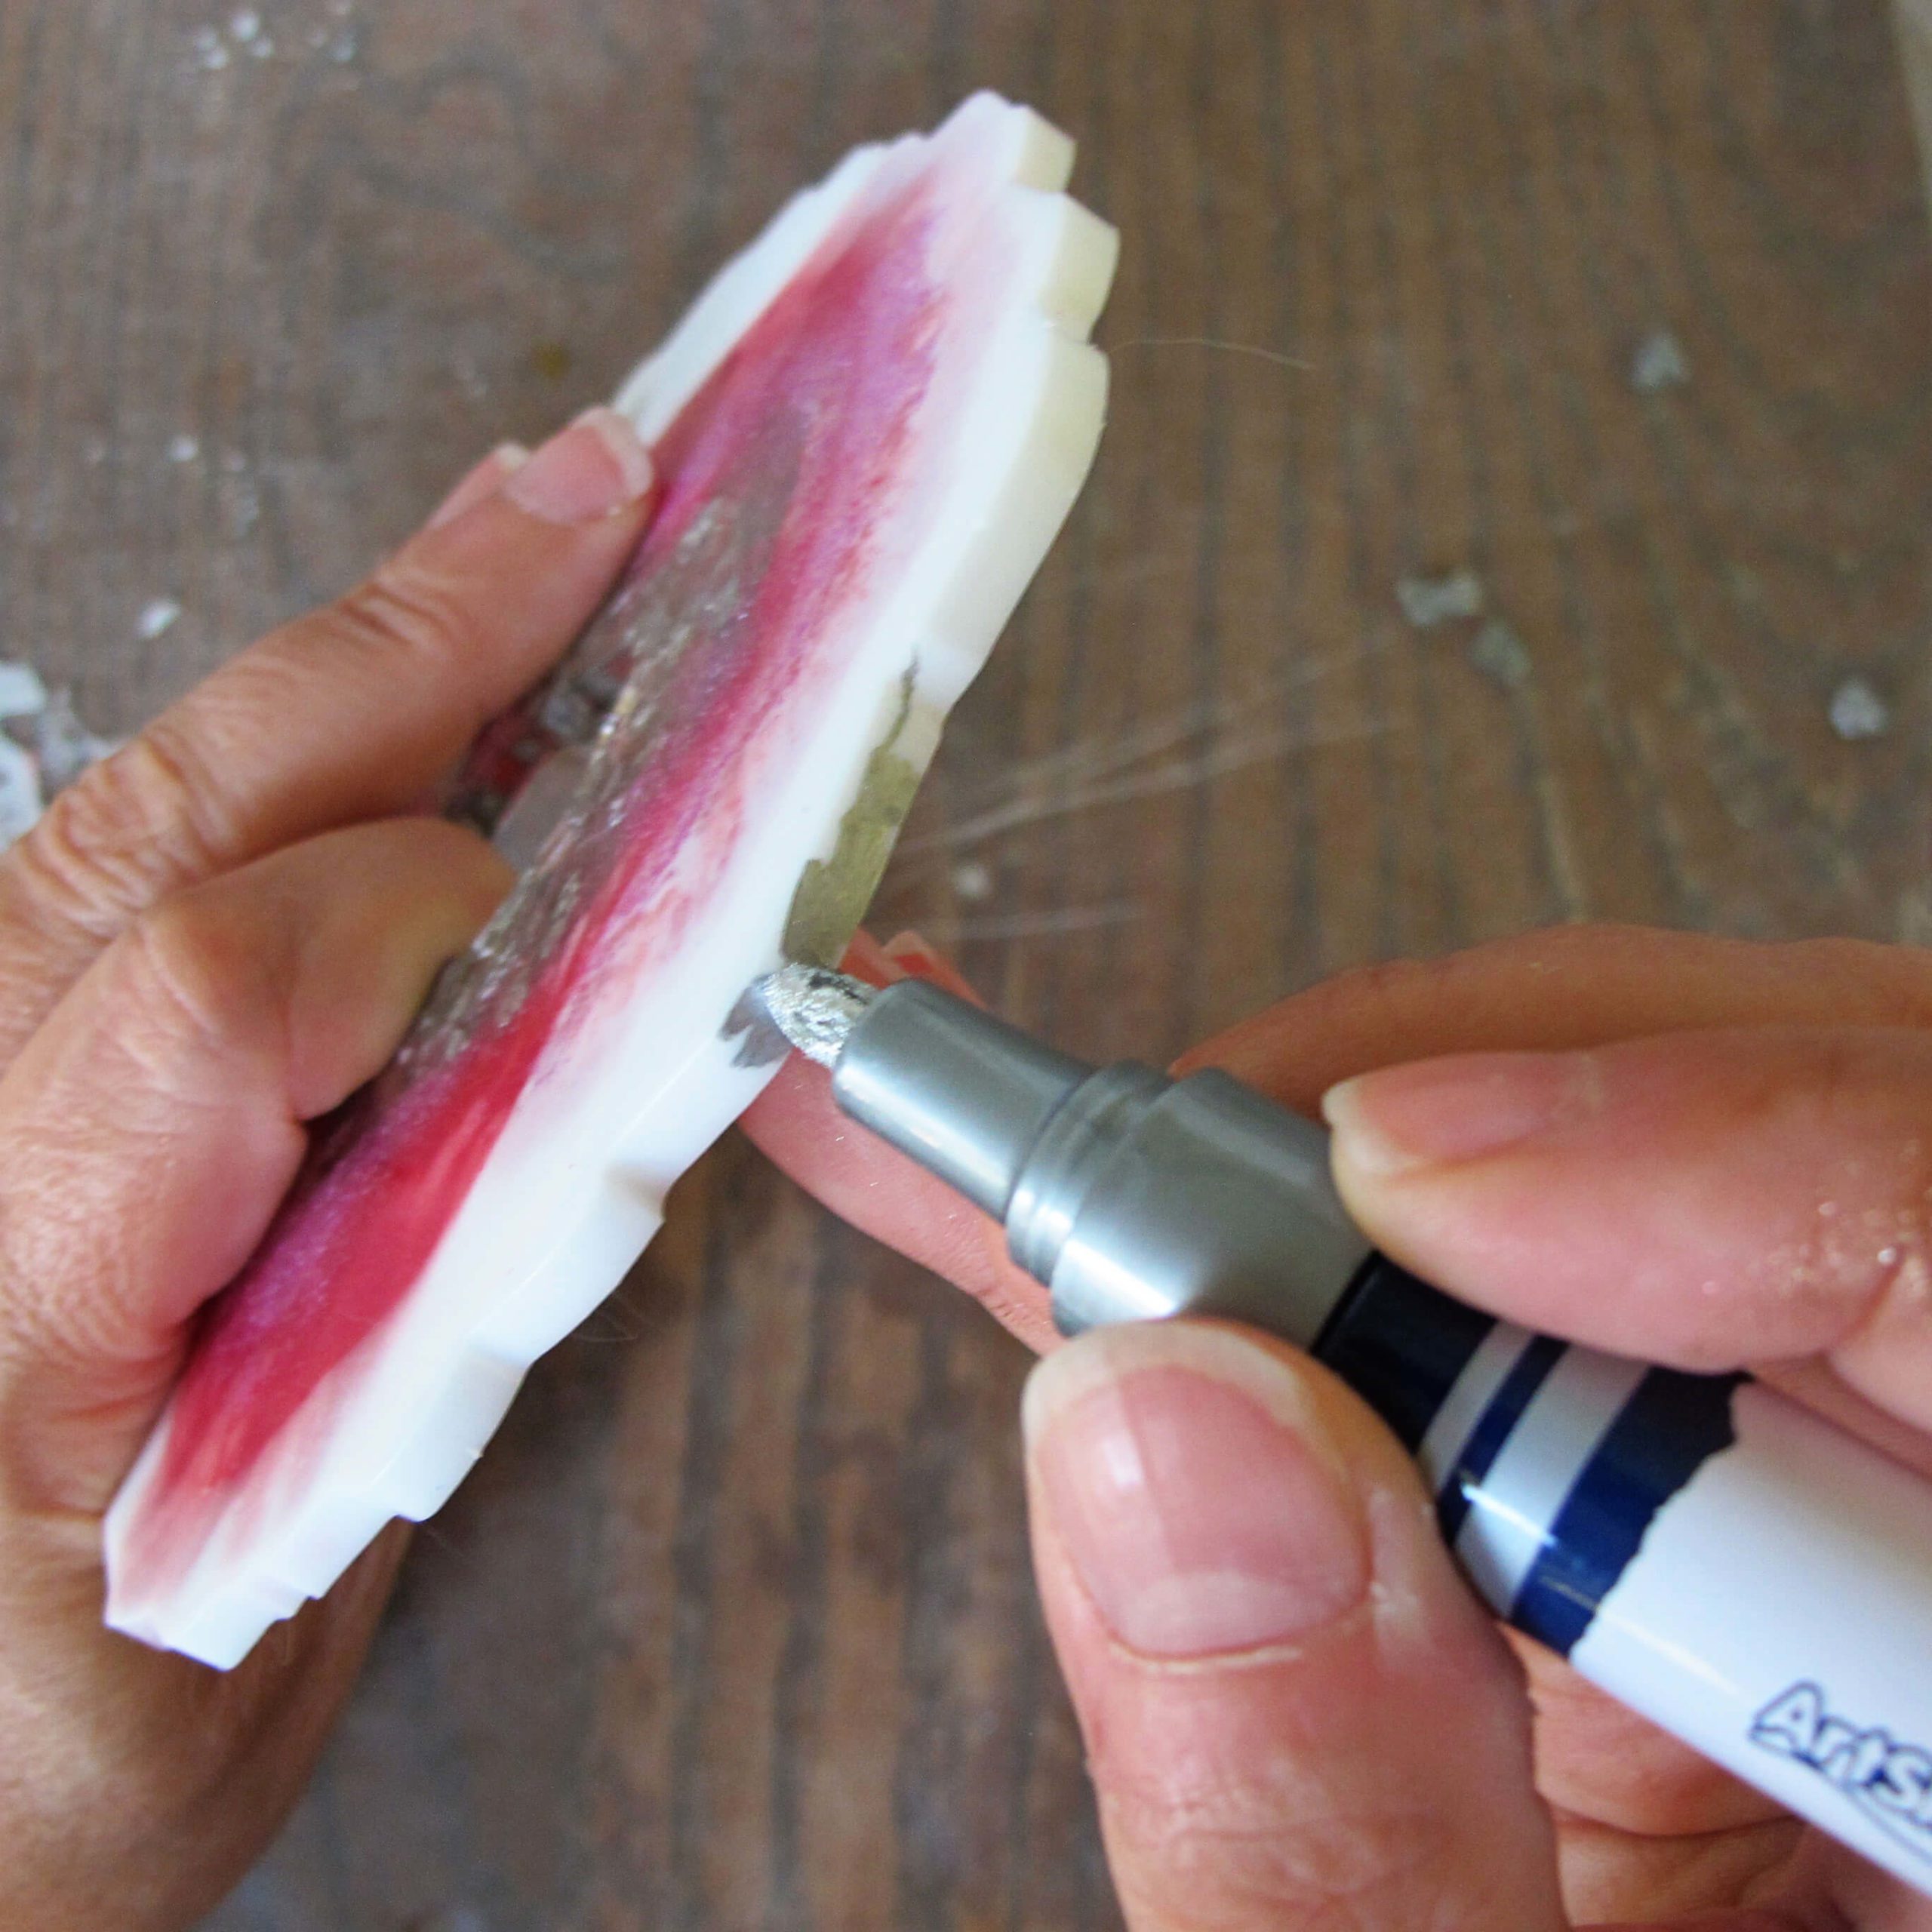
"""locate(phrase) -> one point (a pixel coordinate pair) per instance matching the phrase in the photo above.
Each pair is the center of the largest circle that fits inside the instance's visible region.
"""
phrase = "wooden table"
(732, 1627)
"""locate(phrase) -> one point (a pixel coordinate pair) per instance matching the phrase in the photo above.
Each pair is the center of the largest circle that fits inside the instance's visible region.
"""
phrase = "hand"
(1706, 1153)
(214, 937)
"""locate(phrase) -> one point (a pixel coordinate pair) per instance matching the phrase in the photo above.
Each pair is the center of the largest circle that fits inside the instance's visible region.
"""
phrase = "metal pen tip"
(814, 1008)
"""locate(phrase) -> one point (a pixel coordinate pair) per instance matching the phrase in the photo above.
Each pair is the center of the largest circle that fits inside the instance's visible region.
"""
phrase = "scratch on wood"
(1253, 349)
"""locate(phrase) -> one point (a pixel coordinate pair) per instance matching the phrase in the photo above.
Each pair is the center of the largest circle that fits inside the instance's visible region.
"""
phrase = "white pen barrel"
(1778, 1617)
(1754, 1579)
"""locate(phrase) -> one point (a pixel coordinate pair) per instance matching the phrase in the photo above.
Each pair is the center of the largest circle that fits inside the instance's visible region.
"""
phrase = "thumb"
(1294, 1712)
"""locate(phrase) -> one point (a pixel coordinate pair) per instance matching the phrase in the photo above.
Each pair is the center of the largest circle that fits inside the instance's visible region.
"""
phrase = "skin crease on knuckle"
(404, 608)
(48, 1336)
(1339, 1872)
(67, 1247)
(183, 982)
(149, 811)
(195, 983)
(1275, 1817)
(1199, 1833)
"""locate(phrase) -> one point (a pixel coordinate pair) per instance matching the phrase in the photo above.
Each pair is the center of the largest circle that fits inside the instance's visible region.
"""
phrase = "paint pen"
(1745, 1574)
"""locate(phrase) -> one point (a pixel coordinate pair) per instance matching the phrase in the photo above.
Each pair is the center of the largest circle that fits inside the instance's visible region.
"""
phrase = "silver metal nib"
(814, 1007)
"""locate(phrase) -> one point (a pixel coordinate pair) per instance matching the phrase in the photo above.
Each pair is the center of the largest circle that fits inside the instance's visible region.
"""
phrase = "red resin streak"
(828, 380)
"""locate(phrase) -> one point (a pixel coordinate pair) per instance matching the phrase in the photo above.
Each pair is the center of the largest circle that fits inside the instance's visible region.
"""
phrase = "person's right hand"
(1700, 1152)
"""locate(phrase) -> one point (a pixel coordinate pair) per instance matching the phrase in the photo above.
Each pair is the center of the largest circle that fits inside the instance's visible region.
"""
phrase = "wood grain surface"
(733, 1627)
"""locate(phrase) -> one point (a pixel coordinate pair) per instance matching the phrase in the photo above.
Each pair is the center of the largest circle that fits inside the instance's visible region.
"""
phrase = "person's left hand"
(213, 938)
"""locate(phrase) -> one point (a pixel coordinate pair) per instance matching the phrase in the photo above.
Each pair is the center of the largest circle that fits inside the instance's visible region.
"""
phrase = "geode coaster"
(870, 427)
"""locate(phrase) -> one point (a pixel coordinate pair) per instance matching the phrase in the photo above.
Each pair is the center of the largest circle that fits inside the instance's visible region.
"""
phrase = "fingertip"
(485, 877)
(918, 958)
(864, 958)
(540, 529)
(591, 470)
(1355, 1142)
(1438, 1113)
(636, 468)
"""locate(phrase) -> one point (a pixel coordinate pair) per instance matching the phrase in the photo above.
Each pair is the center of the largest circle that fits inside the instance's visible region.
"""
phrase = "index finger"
(1710, 1200)
(1568, 987)
(353, 713)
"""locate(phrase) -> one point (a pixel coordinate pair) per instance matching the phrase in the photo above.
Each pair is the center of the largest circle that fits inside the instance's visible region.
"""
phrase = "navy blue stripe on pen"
(1472, 1464)
(1668, 1430)
(1404, 1346)
(1401, 1345)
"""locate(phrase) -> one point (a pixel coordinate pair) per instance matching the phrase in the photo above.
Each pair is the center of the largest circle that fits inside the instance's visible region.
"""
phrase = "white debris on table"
(1427, 601)
(157, 619)
(21, 694)
(44, 746)
(1500, 653)
(19, 791)
(1857, 710)
(973, 880)
(249, 34)
(1659, 363)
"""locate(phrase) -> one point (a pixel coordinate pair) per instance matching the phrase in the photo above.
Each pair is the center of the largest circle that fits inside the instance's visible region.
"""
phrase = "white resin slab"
(592, 1048)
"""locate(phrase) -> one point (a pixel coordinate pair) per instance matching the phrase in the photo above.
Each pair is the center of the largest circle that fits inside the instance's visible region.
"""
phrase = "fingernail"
(482, 482)
(866, 959)
(1441, 1111)
(594, 469)
(1200, 1504)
